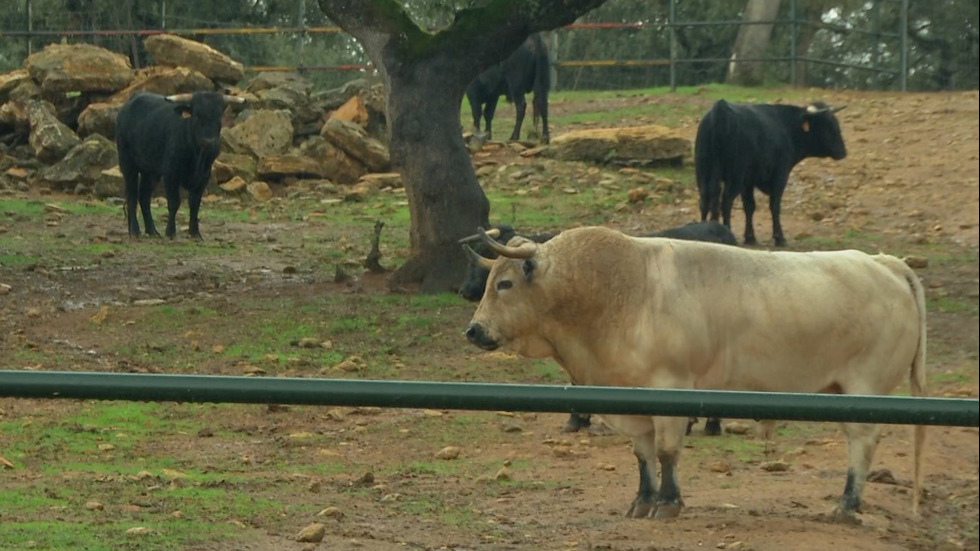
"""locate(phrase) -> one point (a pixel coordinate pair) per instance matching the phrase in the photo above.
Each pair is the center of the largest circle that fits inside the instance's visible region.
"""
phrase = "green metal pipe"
(484, 396)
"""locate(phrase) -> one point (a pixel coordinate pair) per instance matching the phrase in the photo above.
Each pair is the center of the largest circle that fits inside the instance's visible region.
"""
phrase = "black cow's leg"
(748, 205)
(520, 106)
(132, 178)
(645, 503)
(712, 426)
(727, 200)
(173, 203)
(488, 111)
(777, 229)
(577, 422)
(146, 197)
(194, 202)
(476, 110)
(541, 104)
(670, 440)
(862, 439)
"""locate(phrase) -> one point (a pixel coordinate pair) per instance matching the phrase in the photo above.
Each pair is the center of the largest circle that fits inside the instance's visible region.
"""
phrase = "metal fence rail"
(485, 396)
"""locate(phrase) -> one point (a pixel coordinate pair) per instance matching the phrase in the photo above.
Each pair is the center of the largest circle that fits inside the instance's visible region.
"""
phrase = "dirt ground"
(908, 186)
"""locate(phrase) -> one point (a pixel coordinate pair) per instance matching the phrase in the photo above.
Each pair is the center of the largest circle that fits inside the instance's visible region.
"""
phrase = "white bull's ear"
(529, 266)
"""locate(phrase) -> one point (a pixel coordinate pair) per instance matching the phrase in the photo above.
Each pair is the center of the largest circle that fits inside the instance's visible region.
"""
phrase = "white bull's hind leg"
(862, 440)
(669, 441)
(645, 503)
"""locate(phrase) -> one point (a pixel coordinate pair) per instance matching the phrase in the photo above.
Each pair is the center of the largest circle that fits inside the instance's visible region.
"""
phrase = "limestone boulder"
(275, 168)
(64, 68)
(164, 80)
(110, 183)
(651, 144)
(175, 51)
(14, 118)
(355, 141)
(337, 165)
(268, 80)
(229, 165)
(262, 132)
(83, 164)
(99, 118)
(49, 137)
(10, 81)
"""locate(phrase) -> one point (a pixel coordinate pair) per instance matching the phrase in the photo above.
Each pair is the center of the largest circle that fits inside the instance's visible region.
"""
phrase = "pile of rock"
(58, 113)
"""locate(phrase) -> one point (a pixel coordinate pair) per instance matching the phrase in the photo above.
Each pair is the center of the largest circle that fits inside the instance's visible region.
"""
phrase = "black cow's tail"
(710, 156)
(542, 83)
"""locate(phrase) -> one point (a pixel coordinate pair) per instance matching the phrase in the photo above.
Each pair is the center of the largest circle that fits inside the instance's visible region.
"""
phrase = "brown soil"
(909, 184)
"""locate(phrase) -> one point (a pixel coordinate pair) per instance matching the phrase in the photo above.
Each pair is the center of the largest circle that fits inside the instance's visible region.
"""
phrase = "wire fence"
(665, 48)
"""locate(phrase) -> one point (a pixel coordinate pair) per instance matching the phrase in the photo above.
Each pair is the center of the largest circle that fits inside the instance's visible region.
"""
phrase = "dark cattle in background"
(525, 70)
(756, 146)
(175, 138)
(475, 283)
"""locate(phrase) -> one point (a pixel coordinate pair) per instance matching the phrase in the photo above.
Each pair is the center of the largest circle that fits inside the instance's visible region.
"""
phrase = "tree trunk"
(425, 76)
(803, 42)
(444, 198)
(751, 42)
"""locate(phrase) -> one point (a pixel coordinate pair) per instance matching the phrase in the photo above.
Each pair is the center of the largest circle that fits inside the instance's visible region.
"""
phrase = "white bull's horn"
(493, 232)
(233, 99)
(524, 250)
(180, 98)
(476, 259)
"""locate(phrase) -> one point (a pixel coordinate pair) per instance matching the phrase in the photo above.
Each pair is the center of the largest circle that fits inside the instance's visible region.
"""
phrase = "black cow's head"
(476, 273)
(823, 136)
(202, 112)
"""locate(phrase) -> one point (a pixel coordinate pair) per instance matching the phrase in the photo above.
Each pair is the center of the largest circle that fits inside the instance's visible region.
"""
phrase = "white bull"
(623, 311)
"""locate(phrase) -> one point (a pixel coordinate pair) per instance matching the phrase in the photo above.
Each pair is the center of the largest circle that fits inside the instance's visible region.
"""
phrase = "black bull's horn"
(492, 232)
(814, 109)
(184, 98)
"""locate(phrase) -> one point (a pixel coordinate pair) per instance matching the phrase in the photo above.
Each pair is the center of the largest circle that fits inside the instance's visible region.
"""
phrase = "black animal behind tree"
(525, 70)
(176, 138)
(475, 283)
(756, 146)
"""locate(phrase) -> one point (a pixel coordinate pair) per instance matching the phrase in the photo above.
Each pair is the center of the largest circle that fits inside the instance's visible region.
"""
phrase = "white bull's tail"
(917, 371)
(917, 385)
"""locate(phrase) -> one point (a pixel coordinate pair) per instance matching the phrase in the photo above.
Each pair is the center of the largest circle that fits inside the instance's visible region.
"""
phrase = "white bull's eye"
(504, 284)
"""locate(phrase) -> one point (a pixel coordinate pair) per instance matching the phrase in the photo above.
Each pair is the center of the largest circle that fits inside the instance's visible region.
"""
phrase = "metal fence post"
(792, 43)
(903, 45)
(673, 47)
(302, 35)
(30, 25)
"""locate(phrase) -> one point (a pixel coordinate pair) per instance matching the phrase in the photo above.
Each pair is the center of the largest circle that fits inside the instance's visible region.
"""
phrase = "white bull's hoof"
(668, 510)
(641, 509)
(844, 516)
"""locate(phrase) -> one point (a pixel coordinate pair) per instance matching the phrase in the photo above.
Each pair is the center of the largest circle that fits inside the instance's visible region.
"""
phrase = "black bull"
(525, 70)
(475, 283)
(756, 146)
(175, 138)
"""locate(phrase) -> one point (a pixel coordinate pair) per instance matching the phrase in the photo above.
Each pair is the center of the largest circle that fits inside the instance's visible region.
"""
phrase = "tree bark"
(803, 42)
(751, 42)
(425, 76)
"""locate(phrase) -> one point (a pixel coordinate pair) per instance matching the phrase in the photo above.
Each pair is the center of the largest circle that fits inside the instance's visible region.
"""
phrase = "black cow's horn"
(836, 109)
(524, 250)
(492, 232)
(477, 259)
(233, 99)
(813, 109)
(180, 98)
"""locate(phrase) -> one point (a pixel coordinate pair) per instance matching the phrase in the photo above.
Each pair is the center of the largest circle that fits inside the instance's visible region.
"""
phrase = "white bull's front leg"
(654, 439)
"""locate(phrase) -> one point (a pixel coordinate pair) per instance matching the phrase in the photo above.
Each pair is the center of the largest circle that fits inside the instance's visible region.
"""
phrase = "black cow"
(475, 284)
(525, 70)
(175, 138)
(756, 146)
